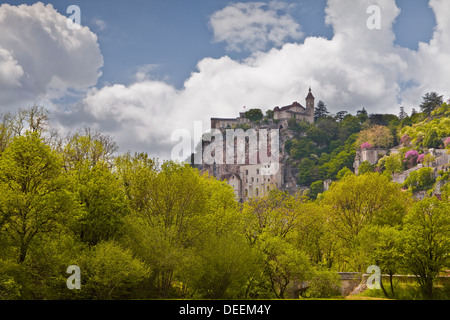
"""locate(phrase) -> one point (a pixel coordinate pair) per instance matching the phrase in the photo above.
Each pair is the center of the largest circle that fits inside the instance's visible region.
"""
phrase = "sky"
(142, 70)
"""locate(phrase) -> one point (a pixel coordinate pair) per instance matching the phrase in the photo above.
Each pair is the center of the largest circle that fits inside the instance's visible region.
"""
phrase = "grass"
(404, 291)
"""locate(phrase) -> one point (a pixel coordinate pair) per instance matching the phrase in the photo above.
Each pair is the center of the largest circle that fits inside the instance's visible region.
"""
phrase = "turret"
(310, 102)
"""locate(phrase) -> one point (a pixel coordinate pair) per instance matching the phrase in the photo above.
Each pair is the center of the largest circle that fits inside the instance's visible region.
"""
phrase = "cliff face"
(288, 171)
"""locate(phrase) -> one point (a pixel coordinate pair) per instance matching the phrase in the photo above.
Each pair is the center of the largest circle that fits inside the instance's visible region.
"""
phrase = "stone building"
(371, 155)
(227, 123)
(296, 110)
(251, 179)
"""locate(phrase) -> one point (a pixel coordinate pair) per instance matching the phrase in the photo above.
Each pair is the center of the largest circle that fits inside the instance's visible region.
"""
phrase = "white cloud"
(253, 26)
(357, 68)
(40, 58)
(10, 71)
(100, 24)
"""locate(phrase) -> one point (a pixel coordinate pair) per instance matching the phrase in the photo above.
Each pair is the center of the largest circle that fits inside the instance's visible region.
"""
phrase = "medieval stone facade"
(256, 179)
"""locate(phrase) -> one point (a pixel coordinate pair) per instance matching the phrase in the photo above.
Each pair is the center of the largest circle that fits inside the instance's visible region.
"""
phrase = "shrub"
(405, 139)
(420, 180)
(420, 158)
(324, 284)
(432, 140)
(365, 167)
(411, 157)
(111, 271)
(447, 143)
(366, 145)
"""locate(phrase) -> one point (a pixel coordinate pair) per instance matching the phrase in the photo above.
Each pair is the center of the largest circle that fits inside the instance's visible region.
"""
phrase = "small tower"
(310, 103)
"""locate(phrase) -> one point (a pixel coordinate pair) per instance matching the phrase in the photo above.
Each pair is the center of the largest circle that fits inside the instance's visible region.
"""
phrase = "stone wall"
(372, 155)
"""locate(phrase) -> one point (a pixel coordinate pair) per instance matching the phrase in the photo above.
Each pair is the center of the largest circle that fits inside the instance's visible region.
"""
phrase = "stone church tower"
(310, 104)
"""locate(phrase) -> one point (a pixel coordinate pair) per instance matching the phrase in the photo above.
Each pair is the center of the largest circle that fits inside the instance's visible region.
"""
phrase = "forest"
(139, 228)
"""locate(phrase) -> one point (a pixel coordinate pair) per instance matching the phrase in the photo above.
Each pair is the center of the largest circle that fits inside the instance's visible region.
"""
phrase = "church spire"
(310, 95)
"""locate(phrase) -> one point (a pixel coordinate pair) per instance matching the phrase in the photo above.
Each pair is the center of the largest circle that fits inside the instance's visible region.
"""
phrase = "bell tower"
(310, 103)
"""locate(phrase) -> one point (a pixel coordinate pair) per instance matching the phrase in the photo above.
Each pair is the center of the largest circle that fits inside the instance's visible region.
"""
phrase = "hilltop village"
(312, 156)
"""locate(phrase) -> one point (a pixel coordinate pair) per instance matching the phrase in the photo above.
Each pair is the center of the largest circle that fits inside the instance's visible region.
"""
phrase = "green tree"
(420, 180)
(34, 193)
(427, 241)
(377, 135)
(316, 188)
(386, 245)
(88, 162)
(103, 202)
(308, 172)
(430, 101)
(329, 125)
(357, 202)
(221, 266)
(269, 114)
(254, 114)
(318, 136)
(365, 167)
(320, 111)
(340, 115)
(110, 272)
(402, 115)
(284, 264)
(362, 115)
(432, 140)
(174, 210)
(343, 172)
(393, 163)
(87, 148)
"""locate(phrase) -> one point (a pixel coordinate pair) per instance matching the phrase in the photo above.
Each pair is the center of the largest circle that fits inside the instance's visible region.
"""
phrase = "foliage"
(393, 163)
(420, 180)
(141, 229)
(430, 129)
(366, 145)
(316, 188)
(378, 136)
(320, 111)
(411, 157)
(343, 172)
(358, 202)
(34, 194)
(324, 284)
(254, 114)
(432, 140)
(110, 272)
(221, 266)
(447, 142)
(427, 241)
(365, 167)
(308, 172)
(431, 100)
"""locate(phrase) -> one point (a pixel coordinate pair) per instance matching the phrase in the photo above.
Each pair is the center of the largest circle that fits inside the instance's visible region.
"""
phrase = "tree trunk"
(392, 286)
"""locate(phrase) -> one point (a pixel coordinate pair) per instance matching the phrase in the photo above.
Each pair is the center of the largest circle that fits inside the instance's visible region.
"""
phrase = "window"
(257, 191)
(253, 179)
(246, 172)
(257, 171)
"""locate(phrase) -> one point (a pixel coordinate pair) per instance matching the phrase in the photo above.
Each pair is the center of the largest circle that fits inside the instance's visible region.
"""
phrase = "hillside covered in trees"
(326, 149)
(141, 229)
